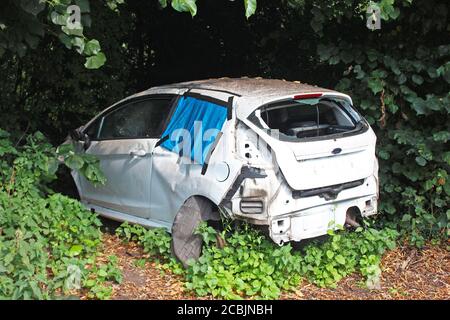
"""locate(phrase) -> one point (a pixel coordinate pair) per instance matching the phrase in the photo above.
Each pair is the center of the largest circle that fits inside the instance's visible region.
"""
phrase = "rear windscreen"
(300, 119)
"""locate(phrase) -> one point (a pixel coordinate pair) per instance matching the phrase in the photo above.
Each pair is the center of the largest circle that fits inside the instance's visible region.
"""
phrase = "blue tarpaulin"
(197, 120)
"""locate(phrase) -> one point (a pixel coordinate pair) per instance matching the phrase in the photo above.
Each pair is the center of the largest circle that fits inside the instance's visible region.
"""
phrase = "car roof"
(248, 87)
(249, 93)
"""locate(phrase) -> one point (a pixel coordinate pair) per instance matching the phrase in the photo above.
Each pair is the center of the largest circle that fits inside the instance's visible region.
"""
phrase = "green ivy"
(45, 235)
(402, 87)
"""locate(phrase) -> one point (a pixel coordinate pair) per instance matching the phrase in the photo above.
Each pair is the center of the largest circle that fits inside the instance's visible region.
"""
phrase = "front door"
(123, 140)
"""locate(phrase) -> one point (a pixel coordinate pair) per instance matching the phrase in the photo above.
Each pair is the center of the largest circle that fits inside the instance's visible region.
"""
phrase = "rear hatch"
(317, 142)
(314, 164)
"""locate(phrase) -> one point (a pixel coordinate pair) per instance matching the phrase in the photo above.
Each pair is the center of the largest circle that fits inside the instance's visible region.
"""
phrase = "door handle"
(138, 153)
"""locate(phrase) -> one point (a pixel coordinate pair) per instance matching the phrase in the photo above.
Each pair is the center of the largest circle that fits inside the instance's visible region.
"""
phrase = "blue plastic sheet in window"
(197, 120)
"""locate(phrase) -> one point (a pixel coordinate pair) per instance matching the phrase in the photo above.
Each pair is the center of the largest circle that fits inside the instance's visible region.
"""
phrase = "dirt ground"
(407, 273)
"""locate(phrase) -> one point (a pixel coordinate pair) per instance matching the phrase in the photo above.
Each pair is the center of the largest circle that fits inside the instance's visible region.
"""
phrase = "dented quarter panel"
(173, 181)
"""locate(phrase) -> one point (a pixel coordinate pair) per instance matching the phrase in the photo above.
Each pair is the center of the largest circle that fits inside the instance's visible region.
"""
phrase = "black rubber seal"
(206, 98)
(246, 172)
(162, 140)
(230, 108)
(211, 150)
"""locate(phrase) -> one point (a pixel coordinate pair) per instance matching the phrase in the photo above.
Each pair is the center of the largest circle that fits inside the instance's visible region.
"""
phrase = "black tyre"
(185, 244)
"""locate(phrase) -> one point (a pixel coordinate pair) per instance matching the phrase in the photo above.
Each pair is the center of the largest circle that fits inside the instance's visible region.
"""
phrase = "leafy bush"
(399, 79)
(345, 253)
(250, 265)
(48, 242)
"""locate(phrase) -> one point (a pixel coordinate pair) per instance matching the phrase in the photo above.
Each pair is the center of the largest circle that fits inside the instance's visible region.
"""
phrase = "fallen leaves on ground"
(408, 273)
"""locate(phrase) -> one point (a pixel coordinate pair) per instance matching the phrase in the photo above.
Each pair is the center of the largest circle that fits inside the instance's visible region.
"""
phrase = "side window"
(201, 121)
(140, 119)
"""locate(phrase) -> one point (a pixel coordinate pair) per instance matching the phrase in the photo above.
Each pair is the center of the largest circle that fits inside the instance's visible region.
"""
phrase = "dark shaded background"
(147, 46)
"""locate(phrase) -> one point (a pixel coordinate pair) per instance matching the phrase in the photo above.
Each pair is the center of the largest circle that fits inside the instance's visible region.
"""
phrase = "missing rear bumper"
(317, 221)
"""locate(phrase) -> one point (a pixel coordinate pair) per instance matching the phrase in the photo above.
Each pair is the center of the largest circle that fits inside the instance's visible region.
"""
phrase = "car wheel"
(186, 245)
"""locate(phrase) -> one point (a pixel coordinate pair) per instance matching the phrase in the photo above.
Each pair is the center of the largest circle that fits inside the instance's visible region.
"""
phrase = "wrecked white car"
(292, 158)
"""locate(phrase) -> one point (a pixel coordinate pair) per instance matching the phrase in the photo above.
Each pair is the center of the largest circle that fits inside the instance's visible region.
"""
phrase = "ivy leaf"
(75, 250)
(421, 161)
(324, 52)
(33, 7)
(185, 6)
(446, 157)
(441, 136)
(383, 154)
(401, 79)
(79, 44)
(53, 165)
(163, 3)
(74, 162)
(406, 218)
(343, 84)
(375, 84)
(333, 60)
(65, 149)
(346, 56)
(66, 40)
(432, 73)
(419, 105)
(360, 74)
(102, 273)
(92, 48)
(95, 62)
(417, 79)
(372, 55)
(340, 259)
(58, 19)
(77, 30)
(250, 7)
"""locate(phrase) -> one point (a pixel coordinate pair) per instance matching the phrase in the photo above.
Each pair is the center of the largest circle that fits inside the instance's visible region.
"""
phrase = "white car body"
(298, 189)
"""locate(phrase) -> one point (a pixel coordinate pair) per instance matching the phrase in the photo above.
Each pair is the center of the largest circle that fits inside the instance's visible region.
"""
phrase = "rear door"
(123, 139)
(183, 162)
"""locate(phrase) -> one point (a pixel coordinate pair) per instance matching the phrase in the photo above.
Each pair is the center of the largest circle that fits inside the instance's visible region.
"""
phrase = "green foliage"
(248, 266)
(29, 169)
(251, 266)
(22, 24)
(99, 276)
(398, 77)
(86, 164)
(47, 240)
(347, 252)
(402, 87)
(184, 6)
(62, 23)
(250, 7)
(156, 243)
